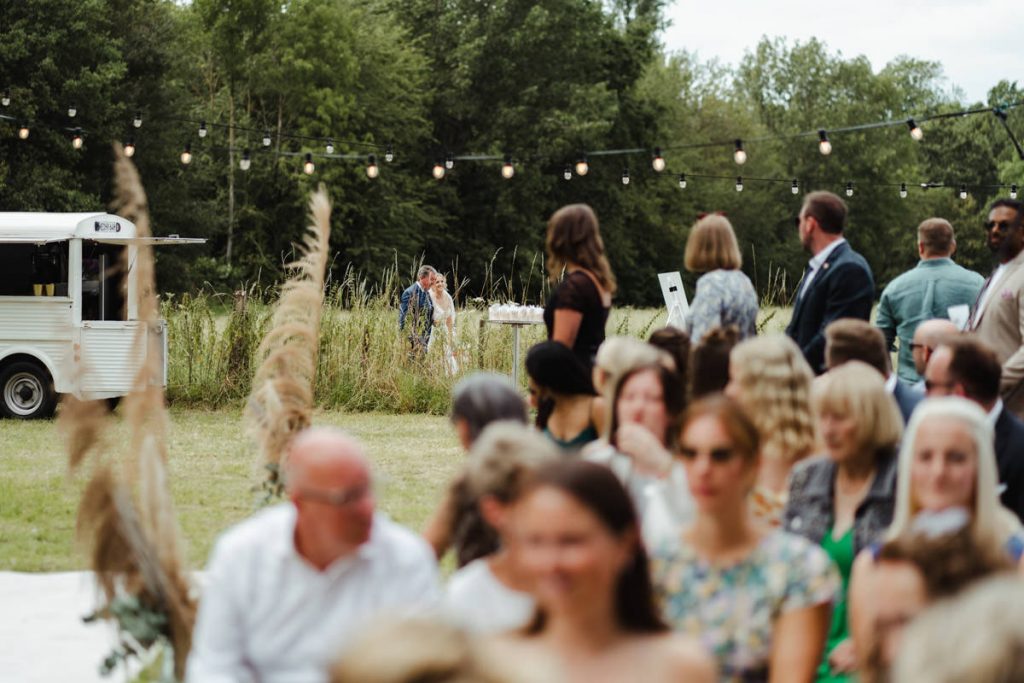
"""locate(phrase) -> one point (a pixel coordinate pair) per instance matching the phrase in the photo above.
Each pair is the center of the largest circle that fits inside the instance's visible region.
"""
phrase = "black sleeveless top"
(578, 292)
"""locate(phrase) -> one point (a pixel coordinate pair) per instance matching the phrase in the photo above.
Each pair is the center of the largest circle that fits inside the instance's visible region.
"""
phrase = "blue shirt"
(921, 294)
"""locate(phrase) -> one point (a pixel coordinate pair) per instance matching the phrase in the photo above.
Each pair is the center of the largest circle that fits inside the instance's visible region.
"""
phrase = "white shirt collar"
(890, 382)
(823, 255)
(997, 410)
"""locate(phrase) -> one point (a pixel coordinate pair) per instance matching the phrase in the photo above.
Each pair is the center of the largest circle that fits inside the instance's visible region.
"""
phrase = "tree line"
(540, 81)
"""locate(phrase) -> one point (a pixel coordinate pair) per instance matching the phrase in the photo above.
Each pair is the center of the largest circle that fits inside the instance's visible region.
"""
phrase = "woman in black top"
(578, 309)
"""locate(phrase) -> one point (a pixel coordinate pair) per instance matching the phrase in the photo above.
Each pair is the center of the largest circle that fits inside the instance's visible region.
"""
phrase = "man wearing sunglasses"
(996, 317)
(286, 589)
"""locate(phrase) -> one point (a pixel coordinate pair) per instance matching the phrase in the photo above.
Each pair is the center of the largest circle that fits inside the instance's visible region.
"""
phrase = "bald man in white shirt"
(288, 588)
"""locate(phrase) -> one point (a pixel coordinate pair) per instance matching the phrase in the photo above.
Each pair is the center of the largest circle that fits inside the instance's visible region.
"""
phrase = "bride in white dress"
(444, 322)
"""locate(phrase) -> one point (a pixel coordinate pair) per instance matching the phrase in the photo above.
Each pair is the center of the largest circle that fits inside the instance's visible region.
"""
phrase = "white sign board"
(675, 299)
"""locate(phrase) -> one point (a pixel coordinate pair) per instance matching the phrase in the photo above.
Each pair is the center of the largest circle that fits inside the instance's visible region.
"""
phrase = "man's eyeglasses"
(1003, 225)
(337, 498)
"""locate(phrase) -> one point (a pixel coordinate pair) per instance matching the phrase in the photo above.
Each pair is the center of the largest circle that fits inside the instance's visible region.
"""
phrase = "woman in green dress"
(844, 499)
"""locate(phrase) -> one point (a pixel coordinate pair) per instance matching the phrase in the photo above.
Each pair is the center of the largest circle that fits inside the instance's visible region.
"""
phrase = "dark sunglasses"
(1003, 225)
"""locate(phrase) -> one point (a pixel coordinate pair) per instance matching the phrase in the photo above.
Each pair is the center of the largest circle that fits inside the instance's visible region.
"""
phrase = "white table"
(516, 325)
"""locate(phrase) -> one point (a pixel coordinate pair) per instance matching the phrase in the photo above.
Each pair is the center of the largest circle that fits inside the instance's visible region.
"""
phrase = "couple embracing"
(429, 311)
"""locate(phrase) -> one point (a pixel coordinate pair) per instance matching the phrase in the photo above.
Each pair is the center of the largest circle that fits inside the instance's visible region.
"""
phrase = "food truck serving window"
(31, 269)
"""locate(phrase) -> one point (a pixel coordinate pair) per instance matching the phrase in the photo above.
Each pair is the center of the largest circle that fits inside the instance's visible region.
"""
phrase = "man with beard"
(837, 282)
(996, 317)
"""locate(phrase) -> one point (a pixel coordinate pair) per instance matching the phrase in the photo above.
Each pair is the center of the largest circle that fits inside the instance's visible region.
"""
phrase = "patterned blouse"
(732, 609)
(723, 297)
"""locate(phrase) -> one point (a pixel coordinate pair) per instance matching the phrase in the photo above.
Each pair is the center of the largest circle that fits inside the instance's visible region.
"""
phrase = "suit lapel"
(1011, 268)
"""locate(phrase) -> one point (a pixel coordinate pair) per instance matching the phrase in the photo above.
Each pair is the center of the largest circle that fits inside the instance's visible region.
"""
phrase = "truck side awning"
(152, 241)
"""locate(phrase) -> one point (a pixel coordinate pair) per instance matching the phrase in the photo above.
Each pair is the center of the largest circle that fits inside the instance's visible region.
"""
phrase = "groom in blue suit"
(837, 282)
(416, 309)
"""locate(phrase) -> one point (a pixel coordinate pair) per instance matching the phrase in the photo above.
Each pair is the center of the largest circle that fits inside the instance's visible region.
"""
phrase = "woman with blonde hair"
(844, 500)
(491, 594)
(770, 378)
(947, 466)
(577, 311)
(724, 296)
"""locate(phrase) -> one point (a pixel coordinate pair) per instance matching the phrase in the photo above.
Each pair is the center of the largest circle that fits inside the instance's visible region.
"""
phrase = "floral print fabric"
(732, 609)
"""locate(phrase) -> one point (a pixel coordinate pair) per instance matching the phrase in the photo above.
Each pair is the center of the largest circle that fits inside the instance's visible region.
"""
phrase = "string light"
(23, 131)
(740, 155)
(849, 189)
(186, 155)
(330, 146)
(6, 99)
(137, 121)
(739, 183)
(507, 169)
(449, 162)
(245, 163)
(129, 148)
(658, 162)
(389, 154)
(76, 140)
(582, 167)
(372, 170)
(682, 181)
(267, 139)
(625, 176)
(915, 130)
(438, 171)
(1013, 191)
(903, 190)
(72, 111)
(567, 173)
(824, 146)
(963, 192)
(308, 167)
(202, 129)
(795, 188)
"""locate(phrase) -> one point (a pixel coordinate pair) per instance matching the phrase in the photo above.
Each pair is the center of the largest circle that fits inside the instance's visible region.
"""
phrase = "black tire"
(26, 391)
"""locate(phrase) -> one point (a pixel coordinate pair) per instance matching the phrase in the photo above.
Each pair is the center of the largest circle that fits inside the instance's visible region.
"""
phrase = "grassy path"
(212, 472)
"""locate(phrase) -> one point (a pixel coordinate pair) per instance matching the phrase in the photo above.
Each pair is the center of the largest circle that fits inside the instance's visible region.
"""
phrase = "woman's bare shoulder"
(685, 658)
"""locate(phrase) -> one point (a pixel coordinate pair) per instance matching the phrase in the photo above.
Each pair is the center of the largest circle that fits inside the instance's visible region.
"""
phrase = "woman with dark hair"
(477, 401)
(638, 447)
(568, 412)
(709, 361)
(578, 309)
(596, 619)
(758, 598)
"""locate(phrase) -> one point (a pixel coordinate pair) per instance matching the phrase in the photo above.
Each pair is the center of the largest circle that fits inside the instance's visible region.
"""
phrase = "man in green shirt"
(927, 291)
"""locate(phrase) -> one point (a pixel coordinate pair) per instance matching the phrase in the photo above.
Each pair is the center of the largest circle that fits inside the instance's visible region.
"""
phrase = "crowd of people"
(712, 504)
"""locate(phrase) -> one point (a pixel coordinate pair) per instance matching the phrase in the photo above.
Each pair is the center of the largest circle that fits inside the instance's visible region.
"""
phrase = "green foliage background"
(541, 80)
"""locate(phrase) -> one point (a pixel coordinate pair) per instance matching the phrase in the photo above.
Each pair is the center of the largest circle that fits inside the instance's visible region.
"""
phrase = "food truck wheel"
(26, 391)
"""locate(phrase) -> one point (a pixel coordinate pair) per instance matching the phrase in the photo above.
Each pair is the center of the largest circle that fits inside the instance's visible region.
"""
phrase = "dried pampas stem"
(128, 522)
(281, 402)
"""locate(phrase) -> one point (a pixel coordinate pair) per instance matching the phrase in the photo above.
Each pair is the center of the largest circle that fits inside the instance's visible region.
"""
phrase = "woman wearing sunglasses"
(758, 598)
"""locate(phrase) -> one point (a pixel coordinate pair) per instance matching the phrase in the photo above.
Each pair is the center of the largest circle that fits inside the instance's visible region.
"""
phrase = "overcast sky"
(978, 42)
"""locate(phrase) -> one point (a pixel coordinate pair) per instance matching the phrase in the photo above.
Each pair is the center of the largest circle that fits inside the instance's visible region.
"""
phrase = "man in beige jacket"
(998, 315)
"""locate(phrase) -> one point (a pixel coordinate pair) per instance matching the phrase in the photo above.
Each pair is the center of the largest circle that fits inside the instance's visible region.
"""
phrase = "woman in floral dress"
(758, 598)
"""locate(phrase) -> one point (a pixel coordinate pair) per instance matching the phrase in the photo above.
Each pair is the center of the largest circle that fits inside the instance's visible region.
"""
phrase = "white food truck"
(68, 315)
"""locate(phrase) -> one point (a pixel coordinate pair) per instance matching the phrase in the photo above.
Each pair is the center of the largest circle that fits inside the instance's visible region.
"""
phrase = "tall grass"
(364, 362)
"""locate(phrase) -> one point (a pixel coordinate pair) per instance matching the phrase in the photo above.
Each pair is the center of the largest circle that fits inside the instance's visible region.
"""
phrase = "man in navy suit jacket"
(417, 308)
(851, 339)
(837, 282)
(966, 366)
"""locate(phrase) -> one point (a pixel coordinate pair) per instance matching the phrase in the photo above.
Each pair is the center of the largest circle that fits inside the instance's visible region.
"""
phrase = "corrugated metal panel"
(42, 319)
(109, 358)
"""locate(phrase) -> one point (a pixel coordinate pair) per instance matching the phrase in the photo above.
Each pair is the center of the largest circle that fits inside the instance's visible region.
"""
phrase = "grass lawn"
(212, 471)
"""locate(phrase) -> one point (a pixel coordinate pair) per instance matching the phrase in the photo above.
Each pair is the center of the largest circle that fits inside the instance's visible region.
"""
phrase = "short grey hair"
(425, 271)
(483, 398)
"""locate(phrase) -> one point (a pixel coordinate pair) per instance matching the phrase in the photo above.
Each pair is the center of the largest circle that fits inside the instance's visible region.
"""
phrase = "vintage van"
(68, 314)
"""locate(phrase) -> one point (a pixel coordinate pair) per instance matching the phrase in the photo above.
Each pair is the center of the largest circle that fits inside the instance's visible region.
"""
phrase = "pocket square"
(1006, 295)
